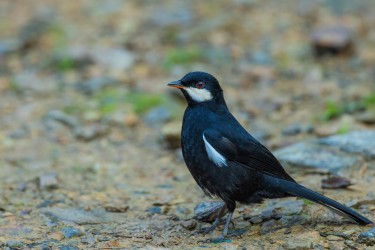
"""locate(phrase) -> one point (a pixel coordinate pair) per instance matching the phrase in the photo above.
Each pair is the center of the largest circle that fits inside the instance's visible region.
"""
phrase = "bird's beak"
(176, 84)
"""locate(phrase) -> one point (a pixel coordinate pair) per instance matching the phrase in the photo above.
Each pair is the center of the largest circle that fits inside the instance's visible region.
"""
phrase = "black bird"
(227, 162)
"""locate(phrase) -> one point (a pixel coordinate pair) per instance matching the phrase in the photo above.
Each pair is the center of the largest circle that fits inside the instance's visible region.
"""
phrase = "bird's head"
(199, 87)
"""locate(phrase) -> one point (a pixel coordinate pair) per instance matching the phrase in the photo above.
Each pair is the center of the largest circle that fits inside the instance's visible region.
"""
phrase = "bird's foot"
(209, 229)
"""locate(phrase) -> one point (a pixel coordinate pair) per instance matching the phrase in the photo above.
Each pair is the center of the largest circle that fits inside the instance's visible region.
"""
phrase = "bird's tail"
(295, 189)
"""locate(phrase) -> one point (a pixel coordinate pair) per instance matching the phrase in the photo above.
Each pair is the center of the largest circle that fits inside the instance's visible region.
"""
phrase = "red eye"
(199, 85)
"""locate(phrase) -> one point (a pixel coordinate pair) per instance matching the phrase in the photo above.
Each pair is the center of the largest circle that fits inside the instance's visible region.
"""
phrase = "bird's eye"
(199, 85)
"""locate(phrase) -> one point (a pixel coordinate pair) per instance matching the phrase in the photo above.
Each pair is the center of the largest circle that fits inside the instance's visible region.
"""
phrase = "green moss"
(142, 102)
(332, 110)
(182, 56)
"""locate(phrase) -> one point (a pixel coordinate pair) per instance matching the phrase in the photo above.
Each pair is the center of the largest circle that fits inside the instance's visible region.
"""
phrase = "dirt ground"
(89, 132)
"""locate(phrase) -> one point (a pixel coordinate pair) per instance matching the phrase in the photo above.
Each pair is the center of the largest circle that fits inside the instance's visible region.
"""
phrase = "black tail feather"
(295, 189)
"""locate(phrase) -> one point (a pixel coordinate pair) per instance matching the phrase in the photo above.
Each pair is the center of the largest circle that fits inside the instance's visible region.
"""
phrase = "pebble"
(57, 236)
(207, 211)
(117, 208)
(332, 41)
(172, 134)
(95, 84)
(367, 117)
(293, 129)
(154, 210)
(81, 217)
(298, 244)
(48, 181)
(68, 247)
(334, 182)
(157, 116)
(14, 244)
(367, 237)
(189, 224)
(309, 156)
(92, 132)
(70, 232)
(360, 142)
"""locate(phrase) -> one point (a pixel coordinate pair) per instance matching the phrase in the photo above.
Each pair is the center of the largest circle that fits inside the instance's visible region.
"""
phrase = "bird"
(227, 162)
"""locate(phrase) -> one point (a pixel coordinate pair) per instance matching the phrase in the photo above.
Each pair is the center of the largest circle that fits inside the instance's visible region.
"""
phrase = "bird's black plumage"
(226, 161)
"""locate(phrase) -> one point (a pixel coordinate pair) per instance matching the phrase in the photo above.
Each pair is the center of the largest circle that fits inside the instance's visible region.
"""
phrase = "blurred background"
(86, 118)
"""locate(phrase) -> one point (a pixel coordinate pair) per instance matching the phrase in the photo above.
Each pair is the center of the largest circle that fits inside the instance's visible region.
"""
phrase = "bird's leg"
(216, 222)
(231, 207)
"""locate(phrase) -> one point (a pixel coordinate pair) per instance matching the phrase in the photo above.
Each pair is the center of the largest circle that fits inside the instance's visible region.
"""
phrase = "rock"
(208, 211)
(82, 217)
(367, 237)
(311, 156)
(298, 244)
(131, 120)
(57, 236)
(14, 244)
(60, 116)
(189, 224)
(154, 210)
(361, 142)
(70, 232)
(95, 84)
(91, 132)
(293, 129)
(35, 28)
(366, 117)
(334, 182)
(35, 82)
(172, 134)
(112, 58)
(68, 247)
(275, 210)
(116, 208)
(157, 116)
(48, 181)
(332, 41)
(175, 17)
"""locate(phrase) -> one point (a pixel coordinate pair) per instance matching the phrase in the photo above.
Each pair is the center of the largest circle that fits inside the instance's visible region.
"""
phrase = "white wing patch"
(199, 95)
(214, 156)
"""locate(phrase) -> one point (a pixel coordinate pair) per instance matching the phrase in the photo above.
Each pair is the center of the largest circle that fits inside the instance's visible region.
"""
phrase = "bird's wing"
(246, 151)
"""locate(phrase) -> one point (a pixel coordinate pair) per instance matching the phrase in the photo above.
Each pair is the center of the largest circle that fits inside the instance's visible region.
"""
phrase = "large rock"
(330, 154)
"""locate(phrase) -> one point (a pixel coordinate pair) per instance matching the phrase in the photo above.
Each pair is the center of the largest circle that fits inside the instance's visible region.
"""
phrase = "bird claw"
(207, 230)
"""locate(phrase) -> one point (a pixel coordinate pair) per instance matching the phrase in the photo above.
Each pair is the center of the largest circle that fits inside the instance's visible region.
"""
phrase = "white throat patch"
(199, 95)
(214, 156)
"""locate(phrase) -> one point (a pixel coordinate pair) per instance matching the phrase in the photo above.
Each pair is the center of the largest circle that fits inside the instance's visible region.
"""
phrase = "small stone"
(131, 120)
(366, 117)
(14, 244)
(361, 142)
(57, 236)
(70, 232)
(332, 41)
(334, 182)
(81, 217)
(117, 208)
(298, 244)
(62, 117)
(334, 238)
(172, 134)
(158, 115)
(154, 210)
(189, 224)
(95, 84)
(367, 237)
(90, 133)
(293, 129)
(68, 247)
(48, 181)
(311, 156)
(208, 211)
